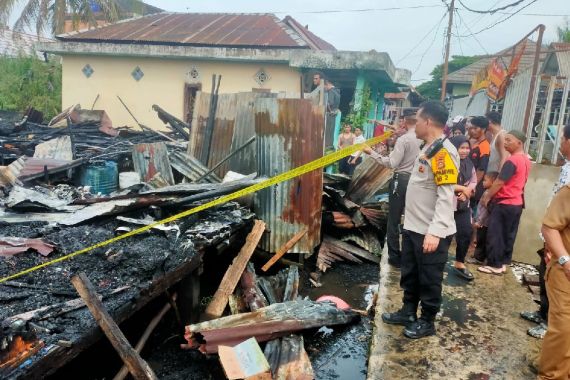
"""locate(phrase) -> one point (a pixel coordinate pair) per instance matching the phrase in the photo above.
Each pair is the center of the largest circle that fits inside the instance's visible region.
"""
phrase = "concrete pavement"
(479, 332)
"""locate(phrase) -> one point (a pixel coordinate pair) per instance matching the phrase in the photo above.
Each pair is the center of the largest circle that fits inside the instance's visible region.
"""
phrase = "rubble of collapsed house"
(77, 181)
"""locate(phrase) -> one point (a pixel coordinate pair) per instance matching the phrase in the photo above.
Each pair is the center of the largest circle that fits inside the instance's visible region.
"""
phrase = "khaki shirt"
(558, 215)
(402, 157)
(429, 198)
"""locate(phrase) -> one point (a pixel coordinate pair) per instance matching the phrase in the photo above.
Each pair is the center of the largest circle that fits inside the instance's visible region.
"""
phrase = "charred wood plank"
(234, 272)
(283, 250)
(252, 294)
(265, 324)
(136, 365)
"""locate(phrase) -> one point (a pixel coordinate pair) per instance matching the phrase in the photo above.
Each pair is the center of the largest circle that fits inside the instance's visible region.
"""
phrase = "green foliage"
(358, 116)
(564, 32)
(432, 88)
(28, 82)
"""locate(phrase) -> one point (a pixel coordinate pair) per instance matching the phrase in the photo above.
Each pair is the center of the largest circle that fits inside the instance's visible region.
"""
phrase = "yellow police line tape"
(316, 164)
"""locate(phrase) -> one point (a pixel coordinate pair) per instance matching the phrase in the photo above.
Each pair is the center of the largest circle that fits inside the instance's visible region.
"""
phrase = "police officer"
(428, 221)
(401, 159)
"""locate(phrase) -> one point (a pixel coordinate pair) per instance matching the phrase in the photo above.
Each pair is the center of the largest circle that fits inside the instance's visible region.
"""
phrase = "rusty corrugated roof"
(203, 29)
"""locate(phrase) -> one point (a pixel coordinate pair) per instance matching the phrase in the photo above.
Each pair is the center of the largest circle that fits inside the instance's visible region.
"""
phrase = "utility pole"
(447, 46)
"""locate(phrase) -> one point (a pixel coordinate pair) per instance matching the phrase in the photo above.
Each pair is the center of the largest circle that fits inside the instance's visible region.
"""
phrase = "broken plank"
(283, 250)
(234, 272)
(352, 249)
(136, 365)
(143, 339)
(252, 294)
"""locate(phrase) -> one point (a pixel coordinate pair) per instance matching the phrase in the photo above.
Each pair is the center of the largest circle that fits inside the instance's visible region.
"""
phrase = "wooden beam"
(136, 365)
(142, 341)
(284, 249)
(234, 272)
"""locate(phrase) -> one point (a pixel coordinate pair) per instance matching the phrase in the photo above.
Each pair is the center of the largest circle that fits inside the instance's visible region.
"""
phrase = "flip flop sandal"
(491, 270)
(464, 273)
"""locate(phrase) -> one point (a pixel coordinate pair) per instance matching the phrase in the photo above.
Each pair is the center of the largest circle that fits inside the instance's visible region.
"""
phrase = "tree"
(50, 15)
(564, 32)
(432, 88)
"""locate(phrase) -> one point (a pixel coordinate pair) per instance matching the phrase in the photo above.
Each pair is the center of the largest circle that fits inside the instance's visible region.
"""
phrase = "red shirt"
(514, 173)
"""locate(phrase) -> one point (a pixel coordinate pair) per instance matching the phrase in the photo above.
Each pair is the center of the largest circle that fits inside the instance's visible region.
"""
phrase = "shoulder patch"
(444, 169)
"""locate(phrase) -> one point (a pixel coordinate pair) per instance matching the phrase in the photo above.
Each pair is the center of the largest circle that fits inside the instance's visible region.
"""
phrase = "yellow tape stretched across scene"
(293, 173)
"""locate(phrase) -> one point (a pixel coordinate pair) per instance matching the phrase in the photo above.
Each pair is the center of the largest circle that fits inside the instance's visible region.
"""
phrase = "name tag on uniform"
(444, 170)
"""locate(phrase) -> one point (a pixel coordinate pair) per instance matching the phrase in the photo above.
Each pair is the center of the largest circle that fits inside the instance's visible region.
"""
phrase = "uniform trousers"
(397, 202)
(555, 355)
(463, 235)
(502, 231)
(422, 274)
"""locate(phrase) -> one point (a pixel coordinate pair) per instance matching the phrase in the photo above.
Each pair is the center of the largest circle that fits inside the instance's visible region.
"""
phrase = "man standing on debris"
(555, 355)
(401, 159)
(428, 221)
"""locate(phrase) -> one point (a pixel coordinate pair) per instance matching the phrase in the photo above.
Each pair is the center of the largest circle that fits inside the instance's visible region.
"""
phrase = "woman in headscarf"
(466, 182)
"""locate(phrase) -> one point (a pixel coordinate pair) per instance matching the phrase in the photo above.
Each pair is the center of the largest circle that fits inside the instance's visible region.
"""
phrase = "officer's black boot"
(403, 317)
(422, 327)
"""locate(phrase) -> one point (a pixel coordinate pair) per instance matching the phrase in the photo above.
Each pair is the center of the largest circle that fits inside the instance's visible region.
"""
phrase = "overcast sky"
(414, 38)
(396, 32)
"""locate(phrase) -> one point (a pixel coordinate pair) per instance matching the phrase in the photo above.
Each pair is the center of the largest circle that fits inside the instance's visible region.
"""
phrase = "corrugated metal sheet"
(459, 107)
(14, 44)
(466, 74)
(563, 58)
(202, 29)
(191, 168)
(515, 101)
(368, 178)
(477, 104)
(151, 159)
(234, 125)
(289, 134)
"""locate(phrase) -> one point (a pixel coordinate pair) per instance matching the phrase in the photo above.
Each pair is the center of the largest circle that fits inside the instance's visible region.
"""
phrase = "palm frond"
(29, 14)
(6, 10)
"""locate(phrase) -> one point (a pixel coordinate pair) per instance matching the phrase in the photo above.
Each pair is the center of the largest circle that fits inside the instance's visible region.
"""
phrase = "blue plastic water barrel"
(102, 176)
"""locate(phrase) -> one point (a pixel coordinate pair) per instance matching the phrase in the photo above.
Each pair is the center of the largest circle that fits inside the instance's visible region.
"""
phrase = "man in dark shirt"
(480, 151)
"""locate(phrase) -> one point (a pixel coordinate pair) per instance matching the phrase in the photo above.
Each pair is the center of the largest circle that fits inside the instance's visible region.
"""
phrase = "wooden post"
(284, 249)
(451, 10)
(136, 365)
(233, 274)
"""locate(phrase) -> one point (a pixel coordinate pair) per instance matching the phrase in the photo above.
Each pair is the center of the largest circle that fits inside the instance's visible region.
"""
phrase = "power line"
(423, 38)
(492, 11)
(457, 30)
(430, 45)
(500, 21)
(360, 10)
(470, 35)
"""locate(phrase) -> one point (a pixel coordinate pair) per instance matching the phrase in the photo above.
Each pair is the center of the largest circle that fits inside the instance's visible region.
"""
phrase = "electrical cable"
(430, 45)
(500, 21)
(360, 10)
(423, 38)
(492, 11)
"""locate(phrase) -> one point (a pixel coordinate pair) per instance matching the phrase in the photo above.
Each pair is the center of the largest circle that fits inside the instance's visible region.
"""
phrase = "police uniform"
(401, 159)
(429, 210)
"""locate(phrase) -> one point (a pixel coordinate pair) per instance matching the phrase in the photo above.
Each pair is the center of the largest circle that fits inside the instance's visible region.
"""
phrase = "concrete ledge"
(479, 332)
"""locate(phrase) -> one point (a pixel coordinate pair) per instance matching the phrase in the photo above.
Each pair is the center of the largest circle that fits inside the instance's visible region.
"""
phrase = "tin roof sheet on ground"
(204, 29)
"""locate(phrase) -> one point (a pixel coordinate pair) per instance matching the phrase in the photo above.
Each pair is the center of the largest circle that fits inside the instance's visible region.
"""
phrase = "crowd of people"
(466, 180)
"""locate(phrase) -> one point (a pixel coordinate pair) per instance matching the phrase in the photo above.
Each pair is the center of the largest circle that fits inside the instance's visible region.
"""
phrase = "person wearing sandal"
(507, 193)
(466, 183)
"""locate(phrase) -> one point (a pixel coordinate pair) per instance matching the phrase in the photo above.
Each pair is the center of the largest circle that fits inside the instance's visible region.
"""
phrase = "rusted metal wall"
(289, 134)
(151, 159)
(233, 126)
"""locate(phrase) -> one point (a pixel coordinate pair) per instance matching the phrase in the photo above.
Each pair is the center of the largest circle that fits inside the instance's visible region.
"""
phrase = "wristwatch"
(563, 260)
